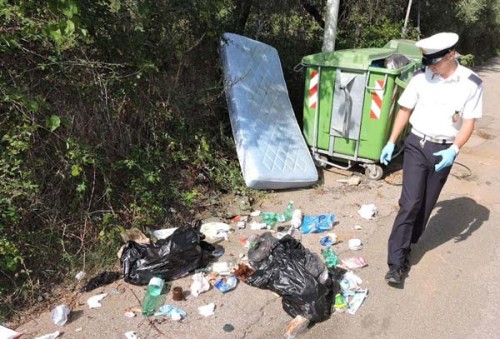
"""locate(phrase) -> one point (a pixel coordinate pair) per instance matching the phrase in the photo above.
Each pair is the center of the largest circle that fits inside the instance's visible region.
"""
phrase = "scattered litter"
(257, 225)
(80, 275)
(286, 267)
(255, 213)
(135, 234)
(50, 335)
(177, 293)
(330, 257)
(340, 304)
(221, 267)
(94, 301)
(326, 241)
(215, 230)
(172, 312)
(317, 224)
(102, 279)
(353, 263)
(358, 227)
(131, 335)
(352, 181)
(355, 244)
(356, 300)
(79, 329)
(164, 233)
(296, 219)
(132, 312)
(367, 211)
(242, 272)
(200, 284)
(350, 281)
(7, 333)
(296, 326)
(207, 310)
(228, 328)
(238, 218)
(60, 314)
(226, 285)
(241, 224)
(170, 258)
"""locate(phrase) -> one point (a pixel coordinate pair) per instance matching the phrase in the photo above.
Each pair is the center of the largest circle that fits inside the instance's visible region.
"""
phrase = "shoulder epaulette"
(475, 79)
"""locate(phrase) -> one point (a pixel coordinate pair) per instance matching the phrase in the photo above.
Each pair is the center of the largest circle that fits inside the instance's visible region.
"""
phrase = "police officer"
(441, 102)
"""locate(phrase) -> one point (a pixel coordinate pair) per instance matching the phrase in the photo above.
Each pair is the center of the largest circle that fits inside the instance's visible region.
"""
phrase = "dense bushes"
(113, 115)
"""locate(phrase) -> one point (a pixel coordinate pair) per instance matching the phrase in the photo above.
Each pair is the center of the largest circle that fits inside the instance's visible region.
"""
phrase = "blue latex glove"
(448, 155)
(386, 155)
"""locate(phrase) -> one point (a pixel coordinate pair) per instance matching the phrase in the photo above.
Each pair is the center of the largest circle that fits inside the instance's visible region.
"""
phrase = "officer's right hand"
(386, 155)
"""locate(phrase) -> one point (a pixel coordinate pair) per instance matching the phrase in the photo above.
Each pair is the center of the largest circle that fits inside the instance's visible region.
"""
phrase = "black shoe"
(406, 264)
(394, 276)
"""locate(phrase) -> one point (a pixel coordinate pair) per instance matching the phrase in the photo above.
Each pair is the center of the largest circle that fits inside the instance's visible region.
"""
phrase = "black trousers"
(421, 188)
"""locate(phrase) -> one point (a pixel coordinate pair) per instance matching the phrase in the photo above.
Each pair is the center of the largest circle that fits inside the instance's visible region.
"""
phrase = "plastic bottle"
(288, 211)
(329, 256)
(296, 219)
(270, 218)
(152, 297)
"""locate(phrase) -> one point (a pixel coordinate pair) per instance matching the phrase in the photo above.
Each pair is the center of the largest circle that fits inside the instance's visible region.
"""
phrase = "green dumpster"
(350, 105)
(408, 49)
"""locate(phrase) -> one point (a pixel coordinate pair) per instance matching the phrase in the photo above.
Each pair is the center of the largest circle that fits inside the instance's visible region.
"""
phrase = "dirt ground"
(451, 291)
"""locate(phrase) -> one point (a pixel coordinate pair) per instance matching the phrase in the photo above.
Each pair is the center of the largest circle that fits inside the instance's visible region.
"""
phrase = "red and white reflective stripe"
(377, 97)
(313, 89)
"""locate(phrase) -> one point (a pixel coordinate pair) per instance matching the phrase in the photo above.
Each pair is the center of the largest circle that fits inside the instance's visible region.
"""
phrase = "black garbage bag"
(170, 258)
(293, 272)
(102, 279)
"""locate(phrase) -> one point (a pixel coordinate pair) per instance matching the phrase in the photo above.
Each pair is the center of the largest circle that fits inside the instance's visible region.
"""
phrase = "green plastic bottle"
(288, 211)
(329, 256)
(152, 298)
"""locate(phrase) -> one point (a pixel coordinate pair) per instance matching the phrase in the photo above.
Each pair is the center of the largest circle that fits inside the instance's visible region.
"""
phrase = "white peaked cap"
(437, 43)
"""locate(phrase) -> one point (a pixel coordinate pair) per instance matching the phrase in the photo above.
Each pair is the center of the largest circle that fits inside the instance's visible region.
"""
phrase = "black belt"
(442, 141)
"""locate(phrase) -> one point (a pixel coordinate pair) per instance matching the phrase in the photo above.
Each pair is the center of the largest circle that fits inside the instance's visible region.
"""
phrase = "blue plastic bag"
(317, 223)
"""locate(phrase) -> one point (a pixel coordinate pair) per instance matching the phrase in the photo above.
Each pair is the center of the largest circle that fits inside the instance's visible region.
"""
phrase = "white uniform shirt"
(435, 101)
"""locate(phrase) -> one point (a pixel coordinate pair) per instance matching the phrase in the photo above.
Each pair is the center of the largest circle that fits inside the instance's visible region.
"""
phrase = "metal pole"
(406, 19)
(332, 14)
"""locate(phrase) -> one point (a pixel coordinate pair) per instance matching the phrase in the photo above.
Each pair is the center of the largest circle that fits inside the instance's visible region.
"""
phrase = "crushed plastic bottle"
(152, 297)
(270, 218)
(288, 211)
(330, 257)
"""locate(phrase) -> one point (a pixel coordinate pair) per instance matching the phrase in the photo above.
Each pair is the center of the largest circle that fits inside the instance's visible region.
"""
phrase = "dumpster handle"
(299, 67)
(374, 88)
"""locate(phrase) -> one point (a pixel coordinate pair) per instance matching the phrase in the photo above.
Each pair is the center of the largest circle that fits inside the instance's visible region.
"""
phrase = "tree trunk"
(242, 11)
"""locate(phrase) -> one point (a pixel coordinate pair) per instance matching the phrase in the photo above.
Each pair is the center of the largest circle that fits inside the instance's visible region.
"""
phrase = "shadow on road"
(456, 219)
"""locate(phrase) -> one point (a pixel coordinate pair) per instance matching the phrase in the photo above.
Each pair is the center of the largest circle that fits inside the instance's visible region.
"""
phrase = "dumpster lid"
(359, 58)
(405, 47)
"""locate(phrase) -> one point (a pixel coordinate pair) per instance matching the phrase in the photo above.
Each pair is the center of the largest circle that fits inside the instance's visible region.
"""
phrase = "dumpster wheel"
(373, 171)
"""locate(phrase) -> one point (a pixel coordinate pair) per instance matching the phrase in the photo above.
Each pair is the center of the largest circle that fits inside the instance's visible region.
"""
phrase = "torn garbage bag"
(295, 273)
(169, 258)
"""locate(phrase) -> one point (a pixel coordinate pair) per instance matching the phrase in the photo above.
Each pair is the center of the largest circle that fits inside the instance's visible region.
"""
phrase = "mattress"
(271, 149)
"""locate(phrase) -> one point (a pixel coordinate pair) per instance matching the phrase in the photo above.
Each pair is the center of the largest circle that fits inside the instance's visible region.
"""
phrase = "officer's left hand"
(448, 155)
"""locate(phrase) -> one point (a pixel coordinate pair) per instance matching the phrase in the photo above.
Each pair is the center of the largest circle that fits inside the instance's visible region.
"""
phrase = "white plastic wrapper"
(207, 310)
(60, 315)
(94, 301)
(368, 211)
(200, 284)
